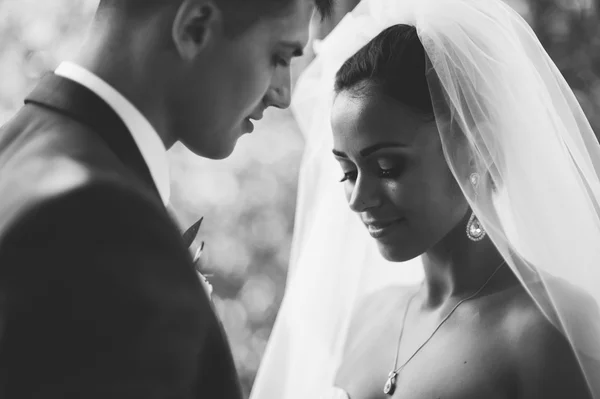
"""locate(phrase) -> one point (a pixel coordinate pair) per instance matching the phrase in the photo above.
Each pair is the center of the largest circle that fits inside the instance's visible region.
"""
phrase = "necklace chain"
(391, 381)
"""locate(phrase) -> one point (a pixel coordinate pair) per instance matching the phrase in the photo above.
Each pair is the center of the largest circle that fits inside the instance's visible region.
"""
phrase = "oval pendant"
(390, 385)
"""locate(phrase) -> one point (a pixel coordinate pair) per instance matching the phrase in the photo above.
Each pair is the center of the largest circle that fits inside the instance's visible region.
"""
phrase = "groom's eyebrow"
(365, 152)
(296, 47)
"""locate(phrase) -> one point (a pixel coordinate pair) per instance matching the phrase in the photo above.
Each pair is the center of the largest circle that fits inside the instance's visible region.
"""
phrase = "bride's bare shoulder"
(524, 316)
(544, 361)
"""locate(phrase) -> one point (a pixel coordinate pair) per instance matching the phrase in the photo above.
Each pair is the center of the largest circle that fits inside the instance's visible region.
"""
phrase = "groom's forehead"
(292, 24)
(288, 9)
(323, 7)
(298, 11)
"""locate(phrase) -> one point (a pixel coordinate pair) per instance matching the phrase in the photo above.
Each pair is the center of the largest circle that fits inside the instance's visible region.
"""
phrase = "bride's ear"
(196, 23)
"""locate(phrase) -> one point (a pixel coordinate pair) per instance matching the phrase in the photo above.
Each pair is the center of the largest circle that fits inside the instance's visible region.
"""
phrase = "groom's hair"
(239, 14)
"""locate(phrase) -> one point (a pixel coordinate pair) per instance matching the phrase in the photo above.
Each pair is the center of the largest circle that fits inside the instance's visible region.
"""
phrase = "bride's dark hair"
(393, 62)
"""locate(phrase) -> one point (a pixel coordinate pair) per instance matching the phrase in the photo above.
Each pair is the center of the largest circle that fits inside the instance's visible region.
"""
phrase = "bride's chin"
(397, 253)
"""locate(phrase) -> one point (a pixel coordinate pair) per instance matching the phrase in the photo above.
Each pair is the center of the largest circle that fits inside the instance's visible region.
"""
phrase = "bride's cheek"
(405, 197)
(396, 191)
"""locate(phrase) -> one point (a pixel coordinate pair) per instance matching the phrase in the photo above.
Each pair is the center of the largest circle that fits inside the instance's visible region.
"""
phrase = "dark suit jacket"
(98, 293)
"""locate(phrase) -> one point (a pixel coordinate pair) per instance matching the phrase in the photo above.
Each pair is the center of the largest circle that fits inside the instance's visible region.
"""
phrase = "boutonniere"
(189, 237)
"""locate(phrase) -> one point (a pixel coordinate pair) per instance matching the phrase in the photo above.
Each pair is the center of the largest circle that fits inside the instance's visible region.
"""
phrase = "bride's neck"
(457, 267)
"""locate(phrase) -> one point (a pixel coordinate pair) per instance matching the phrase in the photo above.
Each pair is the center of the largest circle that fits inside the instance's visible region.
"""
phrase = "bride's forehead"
(375, 118)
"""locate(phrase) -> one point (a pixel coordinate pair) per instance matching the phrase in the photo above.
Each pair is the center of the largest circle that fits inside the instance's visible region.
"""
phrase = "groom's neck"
(121, 58)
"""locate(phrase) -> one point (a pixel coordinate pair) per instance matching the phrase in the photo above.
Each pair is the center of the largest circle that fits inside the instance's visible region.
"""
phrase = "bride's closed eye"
(391, 167)
(391, 173)
(384, 167)
(349, 176)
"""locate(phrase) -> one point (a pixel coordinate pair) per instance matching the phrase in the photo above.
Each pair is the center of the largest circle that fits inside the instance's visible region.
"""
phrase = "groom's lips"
(248, 126)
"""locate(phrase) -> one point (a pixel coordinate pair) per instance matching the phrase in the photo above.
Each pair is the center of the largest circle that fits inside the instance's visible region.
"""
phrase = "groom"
(98, 294)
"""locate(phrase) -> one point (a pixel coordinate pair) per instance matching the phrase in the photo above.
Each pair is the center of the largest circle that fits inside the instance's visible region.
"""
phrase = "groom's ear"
(195, 24)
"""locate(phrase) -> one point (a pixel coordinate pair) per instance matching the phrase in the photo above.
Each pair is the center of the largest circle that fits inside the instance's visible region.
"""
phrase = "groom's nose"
(279, 94)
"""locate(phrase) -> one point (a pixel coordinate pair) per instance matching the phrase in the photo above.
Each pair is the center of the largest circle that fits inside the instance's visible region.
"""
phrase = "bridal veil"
(504, 111)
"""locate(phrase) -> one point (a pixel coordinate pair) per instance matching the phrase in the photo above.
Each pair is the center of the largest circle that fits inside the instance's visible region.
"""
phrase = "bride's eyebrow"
(365, 152)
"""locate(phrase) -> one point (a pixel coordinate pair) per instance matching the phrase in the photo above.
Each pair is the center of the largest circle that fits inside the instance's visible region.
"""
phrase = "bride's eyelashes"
(391, 173)
(386, 166)
(349, 176)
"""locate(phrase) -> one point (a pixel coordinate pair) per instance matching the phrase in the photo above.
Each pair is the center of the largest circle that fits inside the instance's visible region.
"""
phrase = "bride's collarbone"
(468, 357)
(454, 364)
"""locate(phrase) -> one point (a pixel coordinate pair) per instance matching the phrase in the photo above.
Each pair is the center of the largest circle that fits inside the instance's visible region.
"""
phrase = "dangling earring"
(475, 230)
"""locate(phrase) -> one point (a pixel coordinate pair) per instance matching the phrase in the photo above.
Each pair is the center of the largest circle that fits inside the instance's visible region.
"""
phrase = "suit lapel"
(69, 98)
(78, 102)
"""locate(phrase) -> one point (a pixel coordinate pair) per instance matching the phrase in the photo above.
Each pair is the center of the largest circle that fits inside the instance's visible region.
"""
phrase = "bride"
(465, 155)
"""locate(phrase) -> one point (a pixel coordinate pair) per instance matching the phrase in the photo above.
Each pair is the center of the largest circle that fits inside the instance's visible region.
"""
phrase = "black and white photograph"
(294, 199)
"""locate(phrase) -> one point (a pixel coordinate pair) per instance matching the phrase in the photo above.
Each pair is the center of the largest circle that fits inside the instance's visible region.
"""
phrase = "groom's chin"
(215, 153)
(212, 149)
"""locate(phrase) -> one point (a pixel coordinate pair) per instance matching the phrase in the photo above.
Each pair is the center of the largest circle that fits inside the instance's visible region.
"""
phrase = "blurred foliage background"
(248, 200)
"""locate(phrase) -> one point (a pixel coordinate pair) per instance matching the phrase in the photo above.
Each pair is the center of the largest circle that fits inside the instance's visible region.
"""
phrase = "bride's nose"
(364, 194)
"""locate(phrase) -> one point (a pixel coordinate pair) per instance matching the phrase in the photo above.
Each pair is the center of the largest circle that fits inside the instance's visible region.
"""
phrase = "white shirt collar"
(147, 139)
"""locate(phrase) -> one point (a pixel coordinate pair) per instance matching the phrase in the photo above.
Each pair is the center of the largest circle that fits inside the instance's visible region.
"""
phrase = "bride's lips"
(379, 229)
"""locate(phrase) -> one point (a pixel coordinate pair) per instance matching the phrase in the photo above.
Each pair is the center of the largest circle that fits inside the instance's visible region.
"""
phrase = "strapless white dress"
(335, 393)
